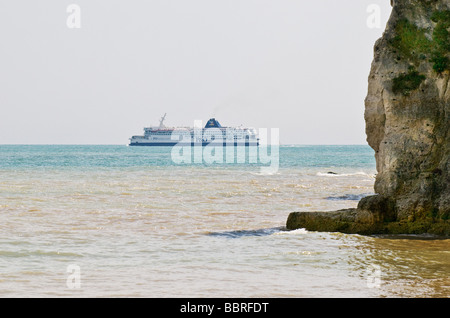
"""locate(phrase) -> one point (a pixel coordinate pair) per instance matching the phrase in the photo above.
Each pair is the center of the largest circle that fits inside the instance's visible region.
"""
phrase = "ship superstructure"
(213, 133)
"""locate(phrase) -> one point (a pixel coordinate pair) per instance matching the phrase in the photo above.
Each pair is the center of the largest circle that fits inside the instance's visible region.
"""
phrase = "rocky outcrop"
(407, 114)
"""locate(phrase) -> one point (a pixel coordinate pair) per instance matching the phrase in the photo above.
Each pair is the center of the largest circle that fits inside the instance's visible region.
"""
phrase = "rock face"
(407, 114)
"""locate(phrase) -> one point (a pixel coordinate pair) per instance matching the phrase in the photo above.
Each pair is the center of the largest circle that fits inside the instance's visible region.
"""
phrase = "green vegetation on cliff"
(406, 83)
(441, 39)
(412, 43)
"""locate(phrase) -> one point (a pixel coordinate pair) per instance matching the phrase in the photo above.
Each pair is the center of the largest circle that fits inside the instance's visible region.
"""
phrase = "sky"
(101, 74)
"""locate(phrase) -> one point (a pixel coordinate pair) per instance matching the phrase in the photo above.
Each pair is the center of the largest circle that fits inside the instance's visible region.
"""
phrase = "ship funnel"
(213, 123)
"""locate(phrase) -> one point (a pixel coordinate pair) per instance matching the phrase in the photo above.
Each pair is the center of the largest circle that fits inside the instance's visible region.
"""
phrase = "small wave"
(300, 231)
(424, 236)
(265, 173)
(355, 197)
(334, 174)
(244, 233)
(39, 253)
(303, 253)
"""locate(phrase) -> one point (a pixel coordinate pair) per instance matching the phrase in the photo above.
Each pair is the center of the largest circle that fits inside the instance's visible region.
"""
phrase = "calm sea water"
(117, 221)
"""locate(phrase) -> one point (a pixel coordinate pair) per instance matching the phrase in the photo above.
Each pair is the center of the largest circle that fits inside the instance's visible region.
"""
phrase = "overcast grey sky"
(300, 66)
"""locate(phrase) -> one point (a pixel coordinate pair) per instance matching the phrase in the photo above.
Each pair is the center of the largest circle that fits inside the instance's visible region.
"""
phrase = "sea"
(119, 221)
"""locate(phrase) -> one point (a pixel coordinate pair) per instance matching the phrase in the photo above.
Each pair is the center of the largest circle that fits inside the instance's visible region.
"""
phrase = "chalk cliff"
(407, 115)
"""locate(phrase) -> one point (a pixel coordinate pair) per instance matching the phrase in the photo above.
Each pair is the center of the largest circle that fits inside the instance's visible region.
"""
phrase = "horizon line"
(113, 144)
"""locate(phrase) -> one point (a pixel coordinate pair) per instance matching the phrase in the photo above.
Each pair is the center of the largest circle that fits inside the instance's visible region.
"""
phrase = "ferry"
(213, 134)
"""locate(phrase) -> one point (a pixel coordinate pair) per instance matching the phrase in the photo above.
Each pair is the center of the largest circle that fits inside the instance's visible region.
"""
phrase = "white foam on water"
(334, 174)
(300, 231)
